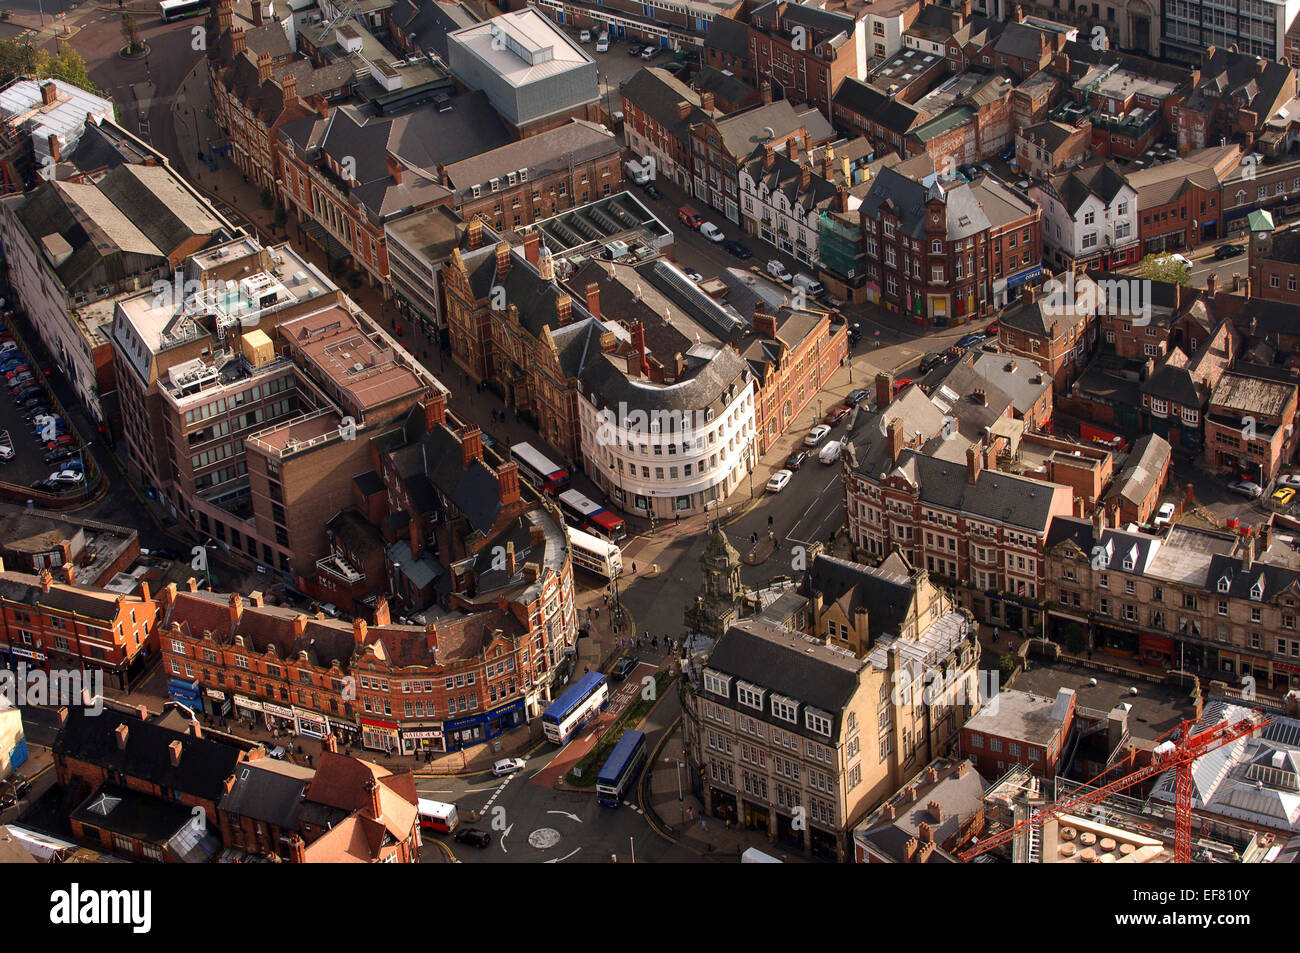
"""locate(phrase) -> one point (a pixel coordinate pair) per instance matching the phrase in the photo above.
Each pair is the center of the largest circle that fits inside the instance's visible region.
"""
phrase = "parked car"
(796, 459)
(1229, 250)
(1164, 515)
(584, 36)
(623, 667)
(1007, 154)
(63, 440)
(23, 396)
(712, 233)
(689, 217)
(817, 435)
(859, 395)
(777, 482)
(6, 452)
(650, 52)
(1290, 479)
(902, 385)
(43, 485)
(602, 44)
(1284, 495)
(738, 249)
(831, 452)
(507, 766)
(634, 49)
(778, 270)
(969, 340)
(67, 476)
(1246, 488)
(836, 414)
(473, 836)
(992, 329)
(58, 456)
(652, 191)
(935, 359)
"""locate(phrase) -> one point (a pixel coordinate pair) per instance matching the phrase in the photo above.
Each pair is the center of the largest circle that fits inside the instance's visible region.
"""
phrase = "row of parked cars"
(830, 452)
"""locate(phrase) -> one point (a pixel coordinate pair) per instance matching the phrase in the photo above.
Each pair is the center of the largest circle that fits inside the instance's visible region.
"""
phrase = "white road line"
(565, 857)
(503, 838)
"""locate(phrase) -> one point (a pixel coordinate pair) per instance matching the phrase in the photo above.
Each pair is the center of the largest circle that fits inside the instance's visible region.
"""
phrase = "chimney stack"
(289, 88)
(358, 631)
(259, 13)
(47, 580)
(536, 535)
(474, 232)
(805, 176)
(963, 767)
(174, 753)
(792, 148)
(765, 91)
(372, 788)
(238, 42)
(532, 242)
(683, 109)
(884, 390)
(593, 298)
(563, 310)
(924, 853)
(225, 15)
(895, 440)
(193, 584)
(769, 155)
(508, 481)
(330, 743)
(383, 615)
(236, 608)
(910, 849)
(120, 733)
(297, 850)
(435, 410)
(1027, 294)
(142, 712)
(706, 102)
(1211, 284)
(503, 260)
(69, 573)
(471, 444)
(55, 152)
(263, 67)
(530, 572)
(926, 831)
(256, 599)
(49, 93)
(431, 640)
(510, 559)
(936, 811)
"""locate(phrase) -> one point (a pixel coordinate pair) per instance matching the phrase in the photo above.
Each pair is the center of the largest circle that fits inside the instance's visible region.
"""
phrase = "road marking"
(503, 838)
(565, 857)
(496, 794)
(572, 817)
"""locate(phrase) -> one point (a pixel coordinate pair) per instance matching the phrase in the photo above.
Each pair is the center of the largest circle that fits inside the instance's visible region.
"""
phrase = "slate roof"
(704, 387)
(270, 791)
(577, 142)
(1145, 464)
(203, 767)
(741, 131)
(886, 592)
(730, 36)
(1228, 77)
(1175, 384)
(959, 797)
(657, 92)
(1021, 40)
(1101, 179)
(728, 88)
(144, 817)
(427, 24)
(888, 111)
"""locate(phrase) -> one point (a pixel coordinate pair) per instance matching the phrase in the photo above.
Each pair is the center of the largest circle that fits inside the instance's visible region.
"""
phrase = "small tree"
(131, 32)
(1006, 668)
(1164, 268)
(281, 216)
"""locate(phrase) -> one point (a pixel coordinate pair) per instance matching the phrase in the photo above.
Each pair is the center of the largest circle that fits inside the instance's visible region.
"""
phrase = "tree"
(19, 59)
(1164, 268)
(131, 32)
(1006, 667)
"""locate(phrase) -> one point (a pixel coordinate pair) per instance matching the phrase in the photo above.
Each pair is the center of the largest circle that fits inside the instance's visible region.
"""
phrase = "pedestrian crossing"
(495, 794)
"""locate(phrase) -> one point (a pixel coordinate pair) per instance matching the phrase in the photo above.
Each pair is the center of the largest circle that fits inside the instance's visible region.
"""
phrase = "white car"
(1291, 479)
(778, 270)
(692, 274)
(816, 435)
(1246, 488)
(712, 232)
(831, 452)
(778, 481)
(602, 44)
(6, 452)
(67, 476)
(1182, 260)
(1165, 515)
(584, 36)
(507, 766)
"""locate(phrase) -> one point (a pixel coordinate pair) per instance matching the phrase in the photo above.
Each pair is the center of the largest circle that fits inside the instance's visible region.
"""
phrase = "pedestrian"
(769, 520)
(677, 518)
(634, 567)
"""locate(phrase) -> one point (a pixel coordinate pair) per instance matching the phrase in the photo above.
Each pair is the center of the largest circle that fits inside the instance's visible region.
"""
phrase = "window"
(817, 722)
(750, 696)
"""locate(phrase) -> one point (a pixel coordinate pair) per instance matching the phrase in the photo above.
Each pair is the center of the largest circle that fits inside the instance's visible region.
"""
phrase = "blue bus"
(621, 768)
(568, 713)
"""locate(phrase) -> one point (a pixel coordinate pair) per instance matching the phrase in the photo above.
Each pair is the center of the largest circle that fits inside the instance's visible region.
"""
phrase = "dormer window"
(749, 695)
(1224, 583)
(717, 684)
(817, 721)
(1257, 590)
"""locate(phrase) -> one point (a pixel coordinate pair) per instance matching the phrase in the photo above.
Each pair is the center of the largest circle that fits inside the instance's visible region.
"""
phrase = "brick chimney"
(238, 42)
(256, 600)
(435, 410)
(358, 631)
(431, 640)
(471, 444)
(259, 13)
(792, 148)
(592, 292)
(236, 608)
(394, 167)
(174, 753)
(683, 109)
(764, 323)
(383, 615)
(228, 785)
(55, 152)
(888, 812)
(532, 244)
(508, 481)
(69, 573)
(1211, 284)
(769, 155)
(330, 743)
(805, 176)
(47, 580)
(531, 572)
(49, 93)
(193, 584)
(1027, 294)
(706, 102)
(536, 535)
(765, 91)
(924, 853)
(910, 849)
(563, 310)
(503, 259)
(884, 390)
(196, 729)
(142, 712)
(144, 587)
(289, 88)
(299, 625)
(372, 789)
(475, 233)
(297, 850)
(225, 15)
(962, 768)
(926, 832)
(263, 67)
(120, 733)
(936, 811)
(510, 559)
(896, 440)
(974, 463)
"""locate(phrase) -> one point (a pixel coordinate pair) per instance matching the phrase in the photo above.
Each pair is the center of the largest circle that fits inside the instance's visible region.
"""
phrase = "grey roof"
(742, 131)
(1143, 467)
(788, 664)
(1020, 39)
(427, 24)
(959, 797)
(271, 792)
(657, 92)
(889, 111)
(729, 36)
(886, 592)
(707, 388)
(1013, 376)
(726, 86)
(1101, 179)
(575, 143)
(1173, 384)
(1022, 716)
(825, 20)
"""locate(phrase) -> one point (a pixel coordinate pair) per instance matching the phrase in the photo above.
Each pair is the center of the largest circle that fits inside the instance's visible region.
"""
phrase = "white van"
(809, 284)
(638, 170)
(777, 270)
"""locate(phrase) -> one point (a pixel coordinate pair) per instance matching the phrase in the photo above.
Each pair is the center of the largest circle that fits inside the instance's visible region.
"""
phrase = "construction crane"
(1179, 754)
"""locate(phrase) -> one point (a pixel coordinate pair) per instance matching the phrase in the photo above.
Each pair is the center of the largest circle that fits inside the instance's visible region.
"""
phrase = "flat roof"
(522, 47)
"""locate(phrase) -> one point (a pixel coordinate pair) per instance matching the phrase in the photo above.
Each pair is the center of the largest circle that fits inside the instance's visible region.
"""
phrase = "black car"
(43, 485)
(939, 358)
(652, 190)
(859, 395)
(63, 453)
(624, 666)
(737, 249)
(40, 410)
(472, 835)
(635, 49)
(1229, 251)
(23, 396)
(796, 460)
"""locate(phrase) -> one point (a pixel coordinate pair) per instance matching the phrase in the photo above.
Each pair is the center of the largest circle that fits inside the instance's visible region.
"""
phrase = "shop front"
(379, 735)
(1116, 641)
(421, 739)
(344, 731)
(505, 718)
(13, 656)
(463, 732)
(248, 710)
(1156, 650)
(217, 702)
(186, 692)
(309, 723)
(279, 719)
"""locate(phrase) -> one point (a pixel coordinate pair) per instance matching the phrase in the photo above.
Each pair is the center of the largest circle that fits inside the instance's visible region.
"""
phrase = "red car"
(690, 218)
(900, 386)
(65, 440)
(15, 371)
(836, 414)
(991, 329)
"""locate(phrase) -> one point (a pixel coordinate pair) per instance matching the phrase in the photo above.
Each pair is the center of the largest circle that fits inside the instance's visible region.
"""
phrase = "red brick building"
(1275, 265)
(805, 52)
(1021, 728)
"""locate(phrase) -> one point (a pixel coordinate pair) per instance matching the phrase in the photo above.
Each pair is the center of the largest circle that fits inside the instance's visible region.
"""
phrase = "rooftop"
(521, 47)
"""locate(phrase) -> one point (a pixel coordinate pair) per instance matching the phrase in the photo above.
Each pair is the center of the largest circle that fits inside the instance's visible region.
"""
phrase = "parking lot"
(28, 463)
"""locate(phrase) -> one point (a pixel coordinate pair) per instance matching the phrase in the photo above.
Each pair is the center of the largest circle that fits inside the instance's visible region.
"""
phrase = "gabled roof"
(888, 111)
(657, 92)
(742, 131)
(1142, 469)
(1101, 179)
(886, 593)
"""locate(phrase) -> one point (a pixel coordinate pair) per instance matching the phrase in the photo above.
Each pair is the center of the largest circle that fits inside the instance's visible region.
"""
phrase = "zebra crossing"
(495, 794)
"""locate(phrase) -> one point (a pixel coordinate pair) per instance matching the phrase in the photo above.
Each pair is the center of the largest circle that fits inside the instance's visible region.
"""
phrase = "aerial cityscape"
(699, 431)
